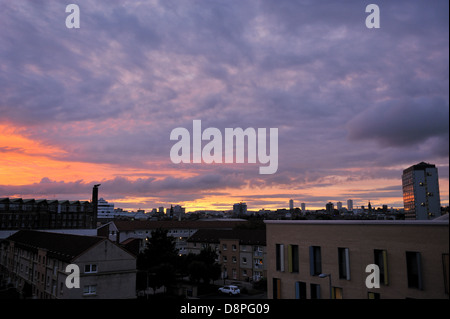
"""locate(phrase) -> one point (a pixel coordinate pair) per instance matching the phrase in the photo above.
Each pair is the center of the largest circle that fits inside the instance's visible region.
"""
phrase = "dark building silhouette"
(18, 213)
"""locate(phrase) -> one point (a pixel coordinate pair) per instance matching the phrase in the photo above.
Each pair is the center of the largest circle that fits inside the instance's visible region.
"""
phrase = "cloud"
(402, 123)
(344, 98)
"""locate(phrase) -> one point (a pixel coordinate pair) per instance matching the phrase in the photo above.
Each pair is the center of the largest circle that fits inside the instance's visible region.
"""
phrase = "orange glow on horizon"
(25, 161)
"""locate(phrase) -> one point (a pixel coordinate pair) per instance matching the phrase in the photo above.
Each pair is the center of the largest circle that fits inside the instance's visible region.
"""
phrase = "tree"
(158, 260)
(203, 266)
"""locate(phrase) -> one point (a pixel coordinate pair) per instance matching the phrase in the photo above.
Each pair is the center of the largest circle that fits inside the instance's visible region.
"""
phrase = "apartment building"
(35, 262)
(18, 213)
(120, 231)
(241, 253)
(334, 259)
(421, 197)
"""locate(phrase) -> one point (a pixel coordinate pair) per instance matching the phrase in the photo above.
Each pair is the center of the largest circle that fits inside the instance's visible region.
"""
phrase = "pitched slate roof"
(64, 247)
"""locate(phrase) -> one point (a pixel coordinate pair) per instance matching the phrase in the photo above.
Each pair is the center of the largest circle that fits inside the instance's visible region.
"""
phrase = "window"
(300, 290)
(276, 288)
(337, 293)
(233, 247)
(344, 263)
(380, 259)
(446, 272)
(293, 258)
(90, 268)
(224, 259)
(233, 259)
(90, 290)
(279, 257)
(244, 260)
(373, 295)
(224, 247)
(315, 291)
(414, 269)
(315, 261)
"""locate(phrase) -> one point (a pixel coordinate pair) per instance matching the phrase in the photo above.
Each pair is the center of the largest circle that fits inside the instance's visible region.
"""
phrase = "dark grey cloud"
(403, 123)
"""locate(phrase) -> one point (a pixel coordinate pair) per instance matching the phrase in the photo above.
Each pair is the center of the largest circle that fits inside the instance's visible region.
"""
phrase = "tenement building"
(18, 213)
(355, 259)
(240, 252)
(121, 231)
(35, 263)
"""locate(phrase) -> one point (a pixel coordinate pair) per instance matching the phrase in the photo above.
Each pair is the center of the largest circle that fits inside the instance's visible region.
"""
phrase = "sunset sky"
(353, 106)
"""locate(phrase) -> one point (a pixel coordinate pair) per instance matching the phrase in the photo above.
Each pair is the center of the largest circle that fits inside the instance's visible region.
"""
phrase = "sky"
(353, 105)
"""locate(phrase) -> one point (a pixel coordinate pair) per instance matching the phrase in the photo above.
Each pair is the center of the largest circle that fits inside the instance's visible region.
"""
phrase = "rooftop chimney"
(95, 199)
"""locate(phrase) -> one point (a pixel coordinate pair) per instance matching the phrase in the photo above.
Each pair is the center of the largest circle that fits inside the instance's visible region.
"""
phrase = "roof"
(442, 217)
(130, 225)
(245, 236)
(432, 222)
(43, 201)
(419, 167)
(64, 247)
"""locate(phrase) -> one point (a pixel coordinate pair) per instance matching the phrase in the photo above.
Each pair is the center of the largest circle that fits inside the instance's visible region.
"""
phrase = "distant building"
(307, 259)
(350, 205)
(303, 205)
(18, 213)
(178, 211)
(339, 205)
(329, 207)
(120, 231)
(240, 252)
(104, 208)
(35, 262)
(240, 208)
(421, 197)
(291, 204)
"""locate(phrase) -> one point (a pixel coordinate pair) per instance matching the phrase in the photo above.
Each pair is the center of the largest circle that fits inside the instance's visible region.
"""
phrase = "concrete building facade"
(241, 253)
(306, 258)
(421, 198)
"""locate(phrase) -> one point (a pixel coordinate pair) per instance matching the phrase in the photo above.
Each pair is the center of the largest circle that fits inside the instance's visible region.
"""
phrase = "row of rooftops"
(7, 200)
(245, 236)
(130, 225)
(65, 247)
(441, 220)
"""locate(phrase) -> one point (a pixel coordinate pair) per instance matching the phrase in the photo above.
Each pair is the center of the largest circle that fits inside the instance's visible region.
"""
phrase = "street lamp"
(329, 281)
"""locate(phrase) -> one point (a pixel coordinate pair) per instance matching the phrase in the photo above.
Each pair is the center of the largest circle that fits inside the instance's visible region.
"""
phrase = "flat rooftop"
(433, 222)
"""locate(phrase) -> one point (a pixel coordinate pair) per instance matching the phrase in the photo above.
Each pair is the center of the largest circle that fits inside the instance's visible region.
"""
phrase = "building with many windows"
(312, 259)
(18, 213)
(240, 252)
(35, 262)
(421, 197)
(121, 231)
(240, 208)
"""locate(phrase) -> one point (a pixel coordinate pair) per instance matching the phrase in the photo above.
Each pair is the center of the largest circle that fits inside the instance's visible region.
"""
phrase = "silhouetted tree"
(204, 266)
(158, 260)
